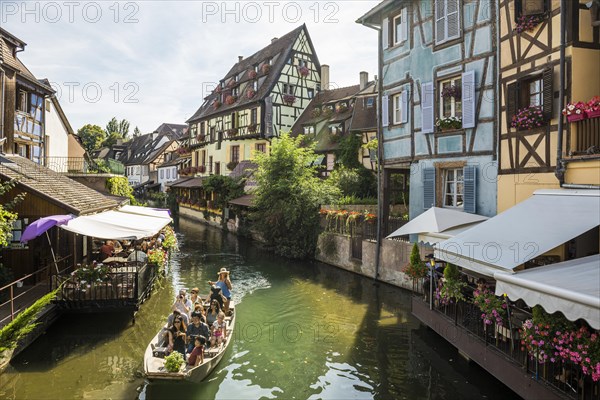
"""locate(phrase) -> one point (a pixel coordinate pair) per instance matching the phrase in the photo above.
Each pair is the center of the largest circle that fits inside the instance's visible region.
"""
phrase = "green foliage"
(288, 198)
(416, 269)
(23, 323)
(451, 272)
(415, 255)
(174, 361)
(358, 182)
(91, 274)
(91, 137)
(101, 166)
(451, 288)
(111, 139)
(119, 186)
(353, 200)
(137, 132)
(329, 244)
(225, 187)
(347, 153)
(7, 216)
(120, 128)
(371, 145)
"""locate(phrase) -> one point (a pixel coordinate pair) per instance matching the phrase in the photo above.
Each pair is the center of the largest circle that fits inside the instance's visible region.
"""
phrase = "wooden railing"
(587, 137)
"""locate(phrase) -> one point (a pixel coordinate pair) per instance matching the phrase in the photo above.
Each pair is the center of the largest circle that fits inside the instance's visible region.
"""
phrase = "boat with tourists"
(155, 357)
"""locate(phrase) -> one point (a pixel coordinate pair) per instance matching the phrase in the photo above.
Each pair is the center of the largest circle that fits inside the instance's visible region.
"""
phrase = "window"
(400, 27)
(397, 112)
(531, 91)
(370, 102)
(23, 102)
(310, 93)
(169, 173)
(254, 116)
(301, 62)
(261, 147)
(162, 174)
(212, 133)
(453, 188)
(235, 154)
(450, 99)
(202, 128)
(534, 92)
(530, 7)
(255, 85)
(335, 129)
(447, 20)
(288, 89)
(204, 157)
(210, 164)
(235, 91)
(309, 130)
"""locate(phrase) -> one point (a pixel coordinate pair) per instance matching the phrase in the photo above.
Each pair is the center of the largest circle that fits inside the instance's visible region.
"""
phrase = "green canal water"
(303, 331)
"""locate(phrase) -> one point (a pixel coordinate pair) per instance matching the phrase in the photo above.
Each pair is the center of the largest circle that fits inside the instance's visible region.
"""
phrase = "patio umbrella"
(40, 226)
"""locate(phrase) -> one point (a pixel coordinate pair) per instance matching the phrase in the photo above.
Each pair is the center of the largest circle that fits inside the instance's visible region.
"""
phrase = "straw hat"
(223, 271)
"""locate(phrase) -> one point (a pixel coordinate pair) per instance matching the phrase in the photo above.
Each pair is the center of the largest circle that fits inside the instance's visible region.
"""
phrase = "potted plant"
(252, 128)
(231, 83)
(416, 268)
(448, 123)
(231, 165)
(450, 289)
(201, 137)
(216, 104)
(341, 108)
(250, 93)
(201, 169)
(174, 361)
(493, 309)
(575, 111)
(252, 74)
(232, 132)
(265, 68)
(218, 89)
(527, 23)
(528, 118)
(303, 71)
(452, 91)
(327, 111)
(229, 100)
(316, 112)
(289, 99)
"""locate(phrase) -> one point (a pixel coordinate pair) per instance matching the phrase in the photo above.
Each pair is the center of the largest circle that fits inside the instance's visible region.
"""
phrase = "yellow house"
(257, 99)
(555, 153)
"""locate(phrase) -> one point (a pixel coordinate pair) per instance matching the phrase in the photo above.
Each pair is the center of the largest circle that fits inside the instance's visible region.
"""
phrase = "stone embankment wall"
(336, 250)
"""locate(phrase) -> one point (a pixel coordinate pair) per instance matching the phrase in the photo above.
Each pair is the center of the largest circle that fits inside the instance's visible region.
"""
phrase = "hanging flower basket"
(252, 74)
(250, 93)
(200, 137)
(289, 99)
(303, 71)
(528, 118)
(265, 68)
(341, 108)
(327, 111)
(229, 100)
(231, 83)
(216, 104)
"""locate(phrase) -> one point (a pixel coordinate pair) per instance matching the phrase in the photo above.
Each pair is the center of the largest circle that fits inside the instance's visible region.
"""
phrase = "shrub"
(358, 182)
(174, 361)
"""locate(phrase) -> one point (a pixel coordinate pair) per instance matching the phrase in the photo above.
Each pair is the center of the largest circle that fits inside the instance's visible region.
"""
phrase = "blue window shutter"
(385, 111)
(428, 188)
(405, 25)
(470, 189)
(385, 34)
(427, 103)
(404, 107)
(468, 99)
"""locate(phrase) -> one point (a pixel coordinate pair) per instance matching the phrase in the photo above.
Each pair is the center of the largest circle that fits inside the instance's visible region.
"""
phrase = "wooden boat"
(154, 364)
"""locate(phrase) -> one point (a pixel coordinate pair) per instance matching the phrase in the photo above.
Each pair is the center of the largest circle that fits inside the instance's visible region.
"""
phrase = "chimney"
(240, 58)
(325, 77)
(274, 39)
(364, 80)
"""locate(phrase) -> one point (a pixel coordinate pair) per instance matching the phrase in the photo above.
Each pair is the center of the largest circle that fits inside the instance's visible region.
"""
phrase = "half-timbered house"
(438, 69)
(258, 98)
(547, 153)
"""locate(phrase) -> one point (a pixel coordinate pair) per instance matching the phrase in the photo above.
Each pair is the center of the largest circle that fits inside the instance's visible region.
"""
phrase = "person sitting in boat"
(195, 329)
(107, 250)
(177, 336)
(213, 312)
(194, 298)
(138, 255)
(176, 314)
(225, 284)
(217, 294)
(219, 330)
(197, 354)
(199, 308)
(182, 303)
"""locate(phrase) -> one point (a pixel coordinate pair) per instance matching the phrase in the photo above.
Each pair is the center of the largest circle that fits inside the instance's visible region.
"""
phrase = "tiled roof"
(277, 51)
(244, 169)
(8, 58)
(363, 117)
(175, 161)
(176, 131)
(74, 196)
(244, 201)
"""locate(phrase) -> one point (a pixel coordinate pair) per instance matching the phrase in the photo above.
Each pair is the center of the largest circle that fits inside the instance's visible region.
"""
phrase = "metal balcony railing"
(81, 165)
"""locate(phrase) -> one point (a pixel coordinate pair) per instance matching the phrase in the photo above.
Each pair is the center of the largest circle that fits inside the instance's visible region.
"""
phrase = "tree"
(288, 197)
(226, 189)
(7, 216)
(136, 132)
(91, 136)
(117, 129)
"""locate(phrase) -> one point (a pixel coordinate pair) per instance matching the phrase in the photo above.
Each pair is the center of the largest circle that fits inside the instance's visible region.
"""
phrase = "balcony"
(585, 137)
(81, 165)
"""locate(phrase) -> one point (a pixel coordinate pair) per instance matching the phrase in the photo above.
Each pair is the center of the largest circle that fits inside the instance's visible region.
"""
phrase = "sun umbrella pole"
(52, 251)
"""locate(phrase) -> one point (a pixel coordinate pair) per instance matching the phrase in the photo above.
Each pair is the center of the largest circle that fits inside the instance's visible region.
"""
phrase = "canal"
(304, 330)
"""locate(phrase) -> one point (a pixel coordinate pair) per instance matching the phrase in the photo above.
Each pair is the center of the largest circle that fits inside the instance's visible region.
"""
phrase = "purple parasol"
(38, 227)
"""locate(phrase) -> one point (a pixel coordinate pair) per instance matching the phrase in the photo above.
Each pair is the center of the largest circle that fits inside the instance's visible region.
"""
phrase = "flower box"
(289, 99)
(265, 68)
(576, 117)
(252, 74)
(230, 99)
(593, 114)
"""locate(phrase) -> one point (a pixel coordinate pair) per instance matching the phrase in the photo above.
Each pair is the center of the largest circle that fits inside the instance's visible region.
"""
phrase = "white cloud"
(163, 60)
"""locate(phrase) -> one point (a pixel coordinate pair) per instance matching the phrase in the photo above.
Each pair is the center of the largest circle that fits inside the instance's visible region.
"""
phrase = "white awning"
(533, 227)
(436, 237)
(147, 211)
(117, 225)
(437, 220)
(571, 287)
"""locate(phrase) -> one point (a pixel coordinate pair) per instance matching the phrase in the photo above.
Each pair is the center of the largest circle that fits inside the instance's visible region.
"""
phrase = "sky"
(154, 61)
